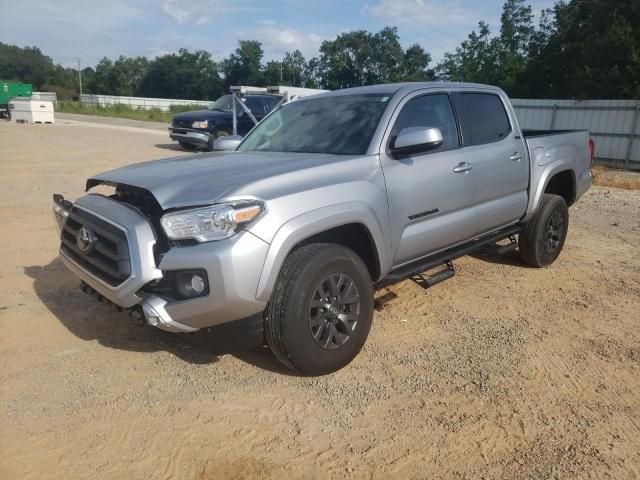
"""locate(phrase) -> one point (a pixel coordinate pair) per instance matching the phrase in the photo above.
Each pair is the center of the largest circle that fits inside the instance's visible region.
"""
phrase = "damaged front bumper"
(232, 267)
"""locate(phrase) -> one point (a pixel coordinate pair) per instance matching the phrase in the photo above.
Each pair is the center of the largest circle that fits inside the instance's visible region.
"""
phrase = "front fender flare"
(317, 221)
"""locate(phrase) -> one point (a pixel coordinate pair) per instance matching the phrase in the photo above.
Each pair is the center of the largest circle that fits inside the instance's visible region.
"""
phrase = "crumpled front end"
(119, 255)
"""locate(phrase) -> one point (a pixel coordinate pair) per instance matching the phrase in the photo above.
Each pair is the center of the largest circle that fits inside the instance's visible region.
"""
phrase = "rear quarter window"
(482, 117)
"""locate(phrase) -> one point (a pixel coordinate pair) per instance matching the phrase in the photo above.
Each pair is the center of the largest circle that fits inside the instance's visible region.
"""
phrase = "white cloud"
(277, 40)
(200, 12)
(422, 12)
(189, 11)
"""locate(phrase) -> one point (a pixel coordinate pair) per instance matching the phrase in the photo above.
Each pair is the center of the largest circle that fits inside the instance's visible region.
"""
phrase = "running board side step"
(445, 258)
(497, 249)
(432, 280)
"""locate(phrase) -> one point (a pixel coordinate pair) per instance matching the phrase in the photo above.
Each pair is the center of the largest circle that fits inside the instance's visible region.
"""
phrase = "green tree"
(293, 68)
(244, 66)
(593, 51)
(516, 27)
(364, 58)
(517, 32)
(127, 74)
(27, 65)
(101, 82)
(415, 65)
(187, 75)
(475, 60)
(346, 60)
(311, 77)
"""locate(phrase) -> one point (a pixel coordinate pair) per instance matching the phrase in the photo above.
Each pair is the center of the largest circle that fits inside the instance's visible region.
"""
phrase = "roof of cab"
(393, 88)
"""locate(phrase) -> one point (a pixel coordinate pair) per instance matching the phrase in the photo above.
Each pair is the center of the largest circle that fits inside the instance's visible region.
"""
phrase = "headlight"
(210, 223)
(61, 208)
(202, 124)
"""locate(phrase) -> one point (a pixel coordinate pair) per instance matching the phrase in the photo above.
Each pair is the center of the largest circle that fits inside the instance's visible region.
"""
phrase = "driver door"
(428, 200)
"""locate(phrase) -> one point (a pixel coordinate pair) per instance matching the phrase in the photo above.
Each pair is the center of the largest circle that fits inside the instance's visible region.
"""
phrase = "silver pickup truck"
(325, 200)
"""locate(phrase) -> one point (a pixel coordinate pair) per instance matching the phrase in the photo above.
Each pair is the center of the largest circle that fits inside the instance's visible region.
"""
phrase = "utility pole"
(79, 76)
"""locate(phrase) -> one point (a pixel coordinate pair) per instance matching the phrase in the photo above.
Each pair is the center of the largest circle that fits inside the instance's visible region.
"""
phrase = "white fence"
(163, 104)
(614, 124)
(48, 96)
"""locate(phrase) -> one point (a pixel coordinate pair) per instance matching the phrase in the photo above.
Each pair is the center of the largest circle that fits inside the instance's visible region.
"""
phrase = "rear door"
(497, 153)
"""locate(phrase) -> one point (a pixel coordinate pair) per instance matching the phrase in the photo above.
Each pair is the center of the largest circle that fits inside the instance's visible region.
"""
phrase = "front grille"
(182, 123)
(109, 258)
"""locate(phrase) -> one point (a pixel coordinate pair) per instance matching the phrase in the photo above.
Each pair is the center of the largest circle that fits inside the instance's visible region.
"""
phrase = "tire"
(543, 236)
(214, 137)
(305, 332)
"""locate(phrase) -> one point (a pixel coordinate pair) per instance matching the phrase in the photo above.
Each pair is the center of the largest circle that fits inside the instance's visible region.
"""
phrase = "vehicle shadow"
(511, 259)
(89, 319)
(173, 146)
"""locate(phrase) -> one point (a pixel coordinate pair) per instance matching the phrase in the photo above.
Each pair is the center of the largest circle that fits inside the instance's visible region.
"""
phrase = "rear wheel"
(320, 312)
(543, 236)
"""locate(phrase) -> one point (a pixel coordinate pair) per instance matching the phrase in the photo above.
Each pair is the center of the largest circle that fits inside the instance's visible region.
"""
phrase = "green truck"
(9, 90)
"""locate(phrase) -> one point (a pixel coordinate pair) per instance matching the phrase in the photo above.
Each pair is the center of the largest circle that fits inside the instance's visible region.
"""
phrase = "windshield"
(339, 125)
(224, 104)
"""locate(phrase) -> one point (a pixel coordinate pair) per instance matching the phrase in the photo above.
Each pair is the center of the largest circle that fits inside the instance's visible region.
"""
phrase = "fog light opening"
(192, 283)
(198, 284)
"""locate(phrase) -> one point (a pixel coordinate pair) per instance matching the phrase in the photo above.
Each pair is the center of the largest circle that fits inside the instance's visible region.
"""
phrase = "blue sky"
(66, 29)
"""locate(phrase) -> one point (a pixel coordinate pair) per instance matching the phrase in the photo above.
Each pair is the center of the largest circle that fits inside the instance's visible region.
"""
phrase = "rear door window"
(482, 117)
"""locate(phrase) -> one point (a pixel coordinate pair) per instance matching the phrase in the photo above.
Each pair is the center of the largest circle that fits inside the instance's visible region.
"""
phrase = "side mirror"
(230, 142)
(414, 140)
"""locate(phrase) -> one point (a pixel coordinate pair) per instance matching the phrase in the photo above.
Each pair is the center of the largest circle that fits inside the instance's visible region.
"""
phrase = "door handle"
(516, 157)
(462, 167)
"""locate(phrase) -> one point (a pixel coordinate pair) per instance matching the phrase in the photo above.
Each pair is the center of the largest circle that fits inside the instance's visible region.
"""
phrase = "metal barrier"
(145, 103)
(48, 96)
(614, 124)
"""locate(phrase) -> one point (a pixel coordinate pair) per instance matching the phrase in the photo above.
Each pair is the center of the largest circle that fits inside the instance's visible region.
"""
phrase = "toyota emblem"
(85, 239)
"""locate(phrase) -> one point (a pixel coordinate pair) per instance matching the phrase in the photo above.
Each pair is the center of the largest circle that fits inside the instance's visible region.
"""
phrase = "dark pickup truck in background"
(200, 128)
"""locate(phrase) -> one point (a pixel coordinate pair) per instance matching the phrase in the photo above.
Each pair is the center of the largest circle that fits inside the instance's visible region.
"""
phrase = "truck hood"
(202, 115)
(202, 179)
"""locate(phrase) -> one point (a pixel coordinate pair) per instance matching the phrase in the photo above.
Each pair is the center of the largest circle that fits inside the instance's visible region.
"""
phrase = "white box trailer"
(28, 110)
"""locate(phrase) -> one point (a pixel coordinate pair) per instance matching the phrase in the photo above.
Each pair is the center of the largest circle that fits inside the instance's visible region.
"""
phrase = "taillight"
(592, 149)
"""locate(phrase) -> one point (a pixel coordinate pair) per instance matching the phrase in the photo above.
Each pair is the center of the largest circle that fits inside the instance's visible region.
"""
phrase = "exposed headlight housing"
(200, 124)
(206, 224)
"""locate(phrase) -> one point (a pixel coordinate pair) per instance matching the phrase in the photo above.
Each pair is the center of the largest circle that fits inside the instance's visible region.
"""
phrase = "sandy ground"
(502, 372)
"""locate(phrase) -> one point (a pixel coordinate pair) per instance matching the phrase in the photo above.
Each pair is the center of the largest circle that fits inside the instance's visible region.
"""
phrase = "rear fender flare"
(547, 174)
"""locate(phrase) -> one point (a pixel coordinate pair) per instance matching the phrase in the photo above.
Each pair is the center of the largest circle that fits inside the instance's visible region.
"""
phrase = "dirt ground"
(502, 372)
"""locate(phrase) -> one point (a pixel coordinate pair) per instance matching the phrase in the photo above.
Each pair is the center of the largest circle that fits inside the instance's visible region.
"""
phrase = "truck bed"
(552, 151)
(545, 133)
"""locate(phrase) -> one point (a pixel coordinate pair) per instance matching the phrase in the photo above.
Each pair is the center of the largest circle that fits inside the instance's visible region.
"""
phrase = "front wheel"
(543, 236)
(213, 137)
(321, 309)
